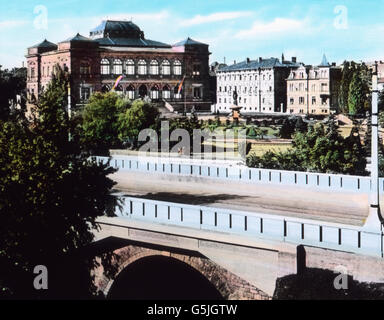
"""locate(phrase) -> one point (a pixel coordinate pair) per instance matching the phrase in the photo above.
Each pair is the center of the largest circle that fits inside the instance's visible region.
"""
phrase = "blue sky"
(342, 29)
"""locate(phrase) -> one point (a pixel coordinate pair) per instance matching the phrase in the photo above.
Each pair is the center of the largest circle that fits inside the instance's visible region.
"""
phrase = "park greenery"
(319, 149)
(51, 194)
(354, 93)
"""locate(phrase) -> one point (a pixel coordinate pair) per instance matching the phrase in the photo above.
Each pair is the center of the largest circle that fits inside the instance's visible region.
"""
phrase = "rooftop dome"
(45, 44)
(117, 29)
(77, 38)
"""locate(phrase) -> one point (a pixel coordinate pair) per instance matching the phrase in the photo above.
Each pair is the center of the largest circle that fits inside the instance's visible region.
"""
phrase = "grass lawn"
(261, 148)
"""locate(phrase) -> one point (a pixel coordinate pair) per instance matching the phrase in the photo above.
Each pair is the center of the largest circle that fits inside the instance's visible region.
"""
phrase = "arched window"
(142, 67)
(117, 67)
(105, 67)
(177, 68)
(130, 65)
(131, 92)
(154, 67)
(166, 68)
(154, 93)
(166, 92)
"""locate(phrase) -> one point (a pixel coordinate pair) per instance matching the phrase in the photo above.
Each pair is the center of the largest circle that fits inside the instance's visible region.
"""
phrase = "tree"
(348, 71)
(141, 115)
(287, 129)
(320, 149)
(51, 195)
(357, 97)
(100, 126)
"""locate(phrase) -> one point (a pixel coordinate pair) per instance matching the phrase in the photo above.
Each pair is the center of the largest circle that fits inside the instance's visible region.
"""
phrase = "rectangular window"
(196, 69)
(313, 100)
(197, 93)
(301, 100)
(324, 87)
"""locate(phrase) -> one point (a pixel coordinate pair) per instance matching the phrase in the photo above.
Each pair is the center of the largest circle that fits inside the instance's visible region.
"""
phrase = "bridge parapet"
(250, 225)
(331, 182)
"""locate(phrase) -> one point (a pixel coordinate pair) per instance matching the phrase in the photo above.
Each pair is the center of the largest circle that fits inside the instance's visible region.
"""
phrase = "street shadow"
(188, 198)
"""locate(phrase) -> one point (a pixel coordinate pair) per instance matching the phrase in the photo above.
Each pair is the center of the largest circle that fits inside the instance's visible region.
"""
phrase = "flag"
(117, 82)
(181, 86)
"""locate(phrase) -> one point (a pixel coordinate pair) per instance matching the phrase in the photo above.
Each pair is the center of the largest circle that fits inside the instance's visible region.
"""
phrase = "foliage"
(320, 149)
(141, 115)
(349, 69)
(354, 94)
(50, 197)
(290, 126)
(100, 126)
(357, 97)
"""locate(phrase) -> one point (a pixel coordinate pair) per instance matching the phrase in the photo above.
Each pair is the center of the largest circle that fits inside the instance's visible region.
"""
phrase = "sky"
(235, 30)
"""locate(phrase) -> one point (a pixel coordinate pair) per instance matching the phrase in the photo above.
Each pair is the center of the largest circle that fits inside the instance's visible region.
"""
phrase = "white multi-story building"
(260, 85)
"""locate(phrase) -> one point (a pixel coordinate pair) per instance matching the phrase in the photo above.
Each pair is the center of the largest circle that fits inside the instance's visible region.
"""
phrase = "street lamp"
(374, 219)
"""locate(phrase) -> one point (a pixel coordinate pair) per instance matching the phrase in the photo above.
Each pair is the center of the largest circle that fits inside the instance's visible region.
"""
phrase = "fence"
(284, 229)
(333, 182)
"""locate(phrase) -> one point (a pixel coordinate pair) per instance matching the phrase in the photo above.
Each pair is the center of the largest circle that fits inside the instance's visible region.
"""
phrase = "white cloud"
(215, 17)
(277, 26)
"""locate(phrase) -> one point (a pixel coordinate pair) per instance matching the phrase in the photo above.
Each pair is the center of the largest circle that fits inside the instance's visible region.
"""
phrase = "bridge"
(237, 230)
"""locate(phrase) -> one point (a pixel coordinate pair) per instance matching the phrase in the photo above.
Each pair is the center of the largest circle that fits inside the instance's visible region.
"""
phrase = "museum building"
(150, 69)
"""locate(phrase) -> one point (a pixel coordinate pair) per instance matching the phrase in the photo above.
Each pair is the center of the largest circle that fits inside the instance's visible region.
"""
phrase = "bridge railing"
(263, 226)
(333, 182)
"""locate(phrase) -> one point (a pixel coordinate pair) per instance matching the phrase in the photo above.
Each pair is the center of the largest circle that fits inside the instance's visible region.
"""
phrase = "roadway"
(339, 207)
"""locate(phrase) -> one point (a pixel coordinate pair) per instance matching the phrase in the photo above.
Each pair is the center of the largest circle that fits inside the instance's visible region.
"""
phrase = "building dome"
(117, 29)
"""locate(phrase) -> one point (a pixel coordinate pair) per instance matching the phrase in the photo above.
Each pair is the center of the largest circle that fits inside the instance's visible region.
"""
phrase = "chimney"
(248, 60)
(333, 64)
(294, 59)
(260, 59)
(234, 61)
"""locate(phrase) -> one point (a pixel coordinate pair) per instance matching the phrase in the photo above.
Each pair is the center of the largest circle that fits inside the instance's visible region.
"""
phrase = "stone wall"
(230, 286)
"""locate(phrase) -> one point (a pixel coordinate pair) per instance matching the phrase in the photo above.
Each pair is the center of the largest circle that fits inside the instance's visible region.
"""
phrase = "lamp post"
(374, 219)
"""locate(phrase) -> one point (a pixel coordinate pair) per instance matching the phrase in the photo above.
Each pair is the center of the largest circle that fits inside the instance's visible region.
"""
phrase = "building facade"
(118, 48)
(260, 85)
(313, 90)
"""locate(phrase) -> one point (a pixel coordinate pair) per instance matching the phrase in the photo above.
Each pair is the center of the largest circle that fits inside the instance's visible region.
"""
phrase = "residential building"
(313, 90)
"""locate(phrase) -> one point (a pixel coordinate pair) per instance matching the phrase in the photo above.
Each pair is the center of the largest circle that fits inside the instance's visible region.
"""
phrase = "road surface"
(339, 207)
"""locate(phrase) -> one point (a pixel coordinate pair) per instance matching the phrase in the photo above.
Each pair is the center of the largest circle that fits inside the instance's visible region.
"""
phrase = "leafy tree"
(140, 116)
(320, 149)
(357, 98)
(301, 125)
(287, 129)
(347, 74)
(50, 197)
(100, 127)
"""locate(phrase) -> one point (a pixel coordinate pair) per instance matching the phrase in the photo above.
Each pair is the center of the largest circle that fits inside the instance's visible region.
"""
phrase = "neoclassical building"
(150, 68)
(313, 90)
(260, 85)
